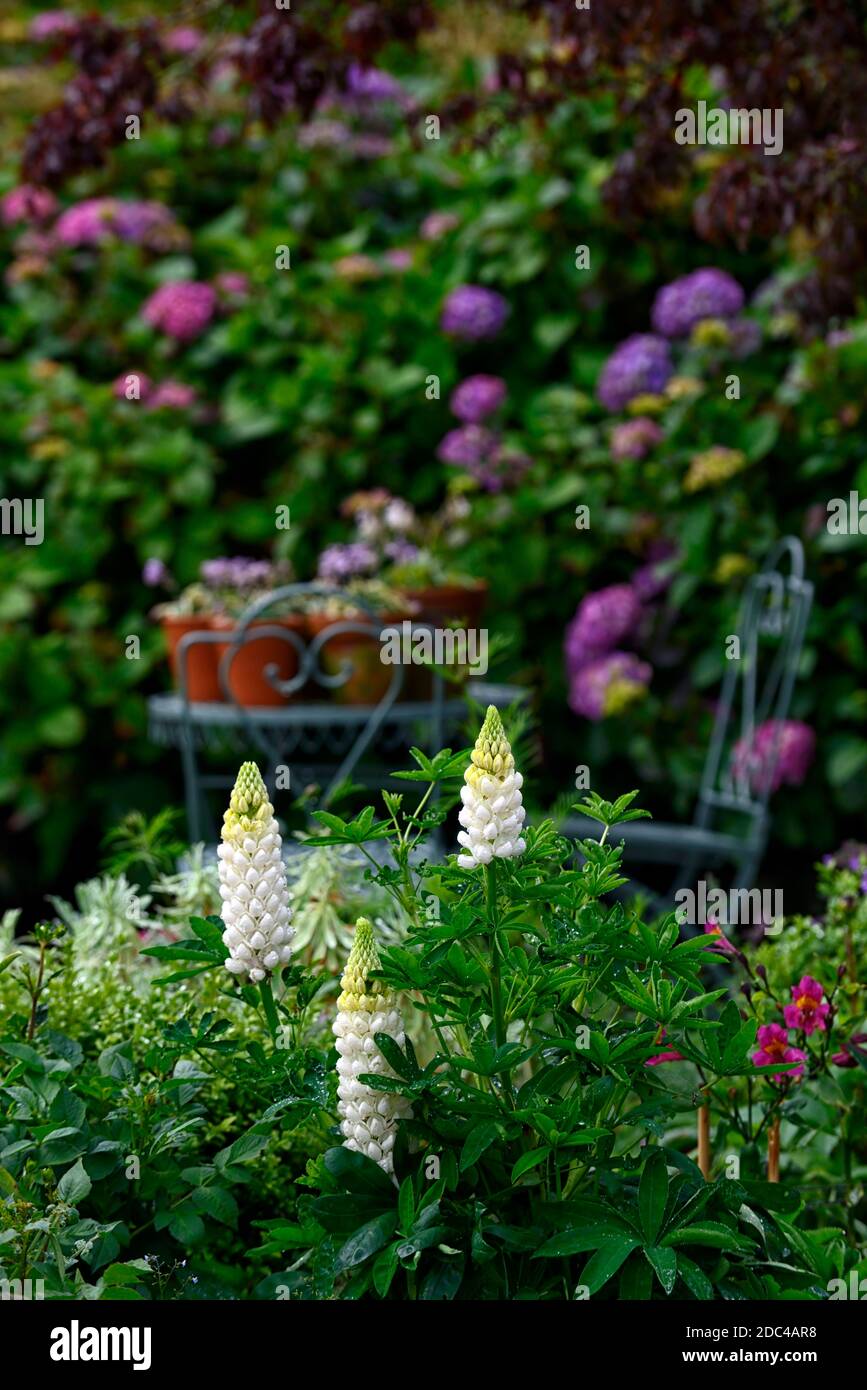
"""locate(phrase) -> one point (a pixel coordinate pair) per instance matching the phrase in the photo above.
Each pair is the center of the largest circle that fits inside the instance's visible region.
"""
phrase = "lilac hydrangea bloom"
(608, 685)
(97, 220)
(467, 447)
(601, 620)
(182, 309)
(472, 312)
(504, 467)
(780, 754)
(640, 365)
(234, 284)
(477, 397)
(372, 84)
(704, 294)
(632, 439)
(338, 563)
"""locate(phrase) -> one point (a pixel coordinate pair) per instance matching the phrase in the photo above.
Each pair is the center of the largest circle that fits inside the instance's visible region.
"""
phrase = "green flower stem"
(496, 982)
(269, 1006)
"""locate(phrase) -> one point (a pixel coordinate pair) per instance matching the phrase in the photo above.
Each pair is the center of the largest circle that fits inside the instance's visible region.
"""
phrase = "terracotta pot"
(370, 677)
(203, 684)
(246, 677)
(445, 605)
(460, 605)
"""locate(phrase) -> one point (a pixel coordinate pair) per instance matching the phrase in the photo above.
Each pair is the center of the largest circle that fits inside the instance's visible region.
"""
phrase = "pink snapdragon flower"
(808, 1011)
(774, 1047)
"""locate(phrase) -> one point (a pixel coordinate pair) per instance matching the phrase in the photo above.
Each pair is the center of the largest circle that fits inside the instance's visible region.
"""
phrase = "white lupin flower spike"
(256, 911)
(493, 813)
(368, 1118)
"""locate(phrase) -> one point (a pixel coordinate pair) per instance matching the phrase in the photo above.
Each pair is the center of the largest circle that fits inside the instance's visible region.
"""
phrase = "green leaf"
(210, 931)
(664, 1262)
(531, 1159)
(636, 1280)
(75, 1184)
(480, 1137)
(217, 1203)
(366, 1241)
(710, 1233)
(606, 1262)
(695, 1279)
(442, 1282)
(62, 1145)
(384, 1269)
(186, 1225)
(243, 1149)
(131, 1272)
(358, 1173)
(653, 1194)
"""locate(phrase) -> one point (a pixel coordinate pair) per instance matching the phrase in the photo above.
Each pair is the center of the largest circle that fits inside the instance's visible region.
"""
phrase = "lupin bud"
(492, 813)
(256, 911)
(365, 1007)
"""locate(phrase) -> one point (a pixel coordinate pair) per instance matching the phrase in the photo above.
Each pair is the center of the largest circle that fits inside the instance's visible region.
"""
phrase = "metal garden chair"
(756, 688)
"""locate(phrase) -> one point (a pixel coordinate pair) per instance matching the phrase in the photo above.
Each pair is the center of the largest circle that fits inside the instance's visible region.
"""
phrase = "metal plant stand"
(757, 687)
(314, 741)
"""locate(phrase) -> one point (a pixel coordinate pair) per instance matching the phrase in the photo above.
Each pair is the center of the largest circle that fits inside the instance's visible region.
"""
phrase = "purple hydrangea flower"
(27, 203)
(602, 619)
(323, 134)
(467, 447)
(608, 685)
(372, 84)
(654, 577)
(634, 438)
(471, 312)
(780, 754)
(641, 364)
(746, 337)
(477, 397)
(338, 563)
(504, 467)
(182, 309)
(98, 220)
(704, 294)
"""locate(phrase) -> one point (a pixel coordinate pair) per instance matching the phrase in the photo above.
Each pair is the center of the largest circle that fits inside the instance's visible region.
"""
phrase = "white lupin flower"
(493, 813)
(368, 1118)
(256, 911)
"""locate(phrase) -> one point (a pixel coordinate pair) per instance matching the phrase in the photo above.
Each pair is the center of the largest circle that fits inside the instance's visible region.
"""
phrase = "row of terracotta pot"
(369, 677)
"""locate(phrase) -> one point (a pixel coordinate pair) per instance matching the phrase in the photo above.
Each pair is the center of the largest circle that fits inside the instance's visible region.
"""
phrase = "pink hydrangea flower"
(232, 284)
(171, 395)
(185, 39)
(182, 309)
(634, 438)
(808, 1010)
(27, 203)
(780, 753)
(97, 220)
(774, 1047)
(437, 225)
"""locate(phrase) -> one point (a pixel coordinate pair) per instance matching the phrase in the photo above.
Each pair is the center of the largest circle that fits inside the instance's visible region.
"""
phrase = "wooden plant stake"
(704, 1140)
